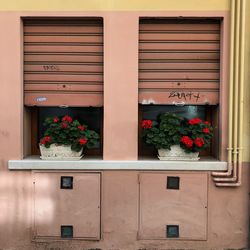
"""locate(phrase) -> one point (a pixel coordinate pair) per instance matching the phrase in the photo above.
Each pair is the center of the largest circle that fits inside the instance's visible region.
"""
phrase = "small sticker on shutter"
(41, 99)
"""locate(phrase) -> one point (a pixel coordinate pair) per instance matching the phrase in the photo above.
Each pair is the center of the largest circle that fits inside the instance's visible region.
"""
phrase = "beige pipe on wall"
(241, 101)
(234, 62)
(231, 90)
(236, 98)
(230, 101)
(238, 101)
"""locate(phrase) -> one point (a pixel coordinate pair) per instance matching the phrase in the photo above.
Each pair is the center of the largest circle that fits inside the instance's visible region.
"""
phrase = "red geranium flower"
(194, 121)
(64, 125)
(206, 130)
(42, 142)
(146, 124)
(67, 118)
(81, 127)
(199, 142)
(187, 141)
(55, 120)
(45, 139)
(82, 141)
(207, 123)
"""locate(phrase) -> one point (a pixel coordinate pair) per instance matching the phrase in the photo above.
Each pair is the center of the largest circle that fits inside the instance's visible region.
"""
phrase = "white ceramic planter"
(59, 152)
(177, 154)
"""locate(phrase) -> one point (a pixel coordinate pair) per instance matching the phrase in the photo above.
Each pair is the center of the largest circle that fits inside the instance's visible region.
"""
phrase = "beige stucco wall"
(227, 216)
(246, 129)
(227, 207)
(113, 5)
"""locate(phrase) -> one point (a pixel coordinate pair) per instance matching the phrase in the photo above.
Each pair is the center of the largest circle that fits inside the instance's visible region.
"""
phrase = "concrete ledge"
(34, 163)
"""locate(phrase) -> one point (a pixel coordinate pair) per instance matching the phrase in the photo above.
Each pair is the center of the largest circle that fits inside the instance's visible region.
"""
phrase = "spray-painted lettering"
(185, 95)
(51, 68)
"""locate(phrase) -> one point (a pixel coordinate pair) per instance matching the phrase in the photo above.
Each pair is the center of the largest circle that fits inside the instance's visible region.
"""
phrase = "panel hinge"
(139, 178)
(137, 235)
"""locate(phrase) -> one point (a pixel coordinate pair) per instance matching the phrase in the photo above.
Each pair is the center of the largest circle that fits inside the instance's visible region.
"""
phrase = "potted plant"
(65, 138)
(177, 138)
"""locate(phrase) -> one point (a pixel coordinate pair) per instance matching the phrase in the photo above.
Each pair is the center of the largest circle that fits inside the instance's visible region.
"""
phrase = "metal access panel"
(67, 205)
(173, 206)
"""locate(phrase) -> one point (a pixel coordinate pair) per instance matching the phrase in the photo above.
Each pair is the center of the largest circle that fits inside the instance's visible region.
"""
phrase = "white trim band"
(32, 163)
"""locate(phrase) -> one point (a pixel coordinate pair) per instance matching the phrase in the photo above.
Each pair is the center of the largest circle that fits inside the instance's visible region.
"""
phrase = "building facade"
(116, 63)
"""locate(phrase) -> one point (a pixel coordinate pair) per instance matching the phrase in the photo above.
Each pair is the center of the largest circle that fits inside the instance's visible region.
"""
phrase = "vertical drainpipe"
(241, 99)
(230, 99)
(235, 97)
(241, 114)
(238, 102)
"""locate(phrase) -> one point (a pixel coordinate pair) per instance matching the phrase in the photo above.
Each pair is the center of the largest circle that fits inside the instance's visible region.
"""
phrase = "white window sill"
(34, 163)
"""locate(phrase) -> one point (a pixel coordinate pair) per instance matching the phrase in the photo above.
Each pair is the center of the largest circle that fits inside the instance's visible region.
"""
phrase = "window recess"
(179, 72)
(204, 112)
(63, 62)
(179, 61)
(34, 128)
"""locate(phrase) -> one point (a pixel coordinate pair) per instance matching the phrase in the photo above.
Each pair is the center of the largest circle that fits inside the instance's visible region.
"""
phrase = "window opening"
(179, 72)
(91, 116)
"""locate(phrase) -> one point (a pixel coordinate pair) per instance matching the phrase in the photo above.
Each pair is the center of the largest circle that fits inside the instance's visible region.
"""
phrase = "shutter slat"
(180, 85)
(64, 58)
(145, 46)
(63, 39)
(181, 56)
(63, 49)
(154, 27)
(173, 96)
(64, 77)
(178, 37)
(60, 87)
(63, 62)
(64, 68)
(179, 75)
(180, 66)
(75, 99)
(63, 29)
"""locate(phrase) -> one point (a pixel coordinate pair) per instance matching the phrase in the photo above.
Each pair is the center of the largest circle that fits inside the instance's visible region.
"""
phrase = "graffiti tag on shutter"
(185, 95)
(51, 68)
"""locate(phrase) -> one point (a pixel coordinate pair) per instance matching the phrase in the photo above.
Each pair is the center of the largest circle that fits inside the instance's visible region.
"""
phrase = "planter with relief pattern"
(177, 154)
(59, 152)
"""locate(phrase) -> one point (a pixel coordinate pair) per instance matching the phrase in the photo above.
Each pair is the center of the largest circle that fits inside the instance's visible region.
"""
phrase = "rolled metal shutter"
(179, 61)
(63, 62)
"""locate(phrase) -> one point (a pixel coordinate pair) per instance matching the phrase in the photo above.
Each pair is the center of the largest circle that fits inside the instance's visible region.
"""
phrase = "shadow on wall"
(15, 204)
(20, 202)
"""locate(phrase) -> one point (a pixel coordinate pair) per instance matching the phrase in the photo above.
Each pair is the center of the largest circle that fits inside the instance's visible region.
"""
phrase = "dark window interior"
(189, 112)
